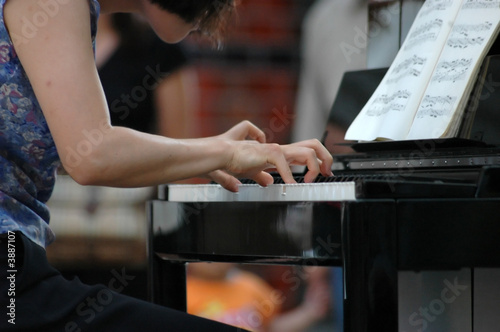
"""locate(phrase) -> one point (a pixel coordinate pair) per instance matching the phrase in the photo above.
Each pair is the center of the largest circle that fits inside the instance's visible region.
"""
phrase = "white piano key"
(333, 191)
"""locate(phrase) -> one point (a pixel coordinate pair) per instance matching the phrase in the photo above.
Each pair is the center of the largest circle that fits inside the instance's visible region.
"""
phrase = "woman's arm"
(60, 65)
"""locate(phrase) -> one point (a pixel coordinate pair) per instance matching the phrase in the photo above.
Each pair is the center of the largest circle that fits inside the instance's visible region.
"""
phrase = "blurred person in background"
(229, 294)
(149, 84)
(333, 42)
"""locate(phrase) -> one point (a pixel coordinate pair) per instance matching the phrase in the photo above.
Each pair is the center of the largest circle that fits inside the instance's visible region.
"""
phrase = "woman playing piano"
(53, 113)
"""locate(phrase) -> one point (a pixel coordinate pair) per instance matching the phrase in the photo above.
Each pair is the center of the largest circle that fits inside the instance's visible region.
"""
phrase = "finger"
(227, 181)
(325, 157)
(263, 178)
(246, 130)
(254, 133)
(313, 170)
(278, 159)
(304, 156)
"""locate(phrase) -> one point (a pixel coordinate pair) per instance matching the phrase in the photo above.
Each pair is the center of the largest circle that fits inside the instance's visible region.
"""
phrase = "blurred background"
(255, 75)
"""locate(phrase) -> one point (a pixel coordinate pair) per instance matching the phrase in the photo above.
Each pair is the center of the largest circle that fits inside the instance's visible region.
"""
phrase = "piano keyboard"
(328, 191)
(335, 188)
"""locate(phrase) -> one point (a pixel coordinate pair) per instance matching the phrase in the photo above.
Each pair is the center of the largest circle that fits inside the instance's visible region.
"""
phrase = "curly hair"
(210, 15)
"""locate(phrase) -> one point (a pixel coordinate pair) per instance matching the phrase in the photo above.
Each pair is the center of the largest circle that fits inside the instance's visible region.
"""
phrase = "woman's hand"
(252, 159)
(310, 153)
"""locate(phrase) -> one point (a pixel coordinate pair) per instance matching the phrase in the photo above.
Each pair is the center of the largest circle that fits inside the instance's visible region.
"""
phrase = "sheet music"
(461, 59)
(389, 111)
(430, 76)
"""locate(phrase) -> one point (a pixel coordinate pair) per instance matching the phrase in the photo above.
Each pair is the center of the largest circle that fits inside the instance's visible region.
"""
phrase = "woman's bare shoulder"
(31, 20)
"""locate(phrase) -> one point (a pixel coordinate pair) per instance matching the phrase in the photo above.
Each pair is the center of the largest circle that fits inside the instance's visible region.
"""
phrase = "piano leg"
(167, 283)
(370, 272)
(166, 279)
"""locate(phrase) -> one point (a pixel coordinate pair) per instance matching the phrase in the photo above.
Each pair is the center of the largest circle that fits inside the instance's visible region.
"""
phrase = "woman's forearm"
(122, 157)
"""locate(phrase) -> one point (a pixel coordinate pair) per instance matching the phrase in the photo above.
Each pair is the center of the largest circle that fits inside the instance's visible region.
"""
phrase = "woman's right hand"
(252, 159)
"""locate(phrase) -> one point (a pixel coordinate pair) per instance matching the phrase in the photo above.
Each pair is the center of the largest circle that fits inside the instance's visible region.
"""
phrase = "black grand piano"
(404, 211)
(415, 226)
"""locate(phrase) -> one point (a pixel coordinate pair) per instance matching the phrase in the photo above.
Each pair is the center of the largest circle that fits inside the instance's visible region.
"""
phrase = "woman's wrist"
(219, 150)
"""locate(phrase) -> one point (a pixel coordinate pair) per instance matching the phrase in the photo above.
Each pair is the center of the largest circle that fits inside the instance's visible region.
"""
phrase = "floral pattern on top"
(28, 155)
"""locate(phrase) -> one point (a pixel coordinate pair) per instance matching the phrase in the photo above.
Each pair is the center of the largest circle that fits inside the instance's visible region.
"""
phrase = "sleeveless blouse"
(28, 155)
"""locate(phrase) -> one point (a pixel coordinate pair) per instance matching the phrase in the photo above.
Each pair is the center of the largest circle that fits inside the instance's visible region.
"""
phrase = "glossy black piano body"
(417, 206)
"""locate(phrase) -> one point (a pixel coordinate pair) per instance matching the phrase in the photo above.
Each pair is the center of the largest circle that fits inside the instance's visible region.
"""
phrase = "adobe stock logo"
(426, 315)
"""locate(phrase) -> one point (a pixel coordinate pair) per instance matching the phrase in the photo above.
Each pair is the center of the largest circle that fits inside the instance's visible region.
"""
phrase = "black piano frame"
(372, 239)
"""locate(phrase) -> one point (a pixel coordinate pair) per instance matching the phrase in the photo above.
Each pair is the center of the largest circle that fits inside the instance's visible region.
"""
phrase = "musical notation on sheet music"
(452, 71)
(428, 31)
(430, 7)
(409, 67)
(436, 106)
(386, 103)
(453, 36)
(467, 29)
(468, 35)
(481, 4)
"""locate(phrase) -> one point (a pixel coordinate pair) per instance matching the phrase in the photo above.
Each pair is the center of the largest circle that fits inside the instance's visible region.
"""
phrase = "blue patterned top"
(28, 155)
